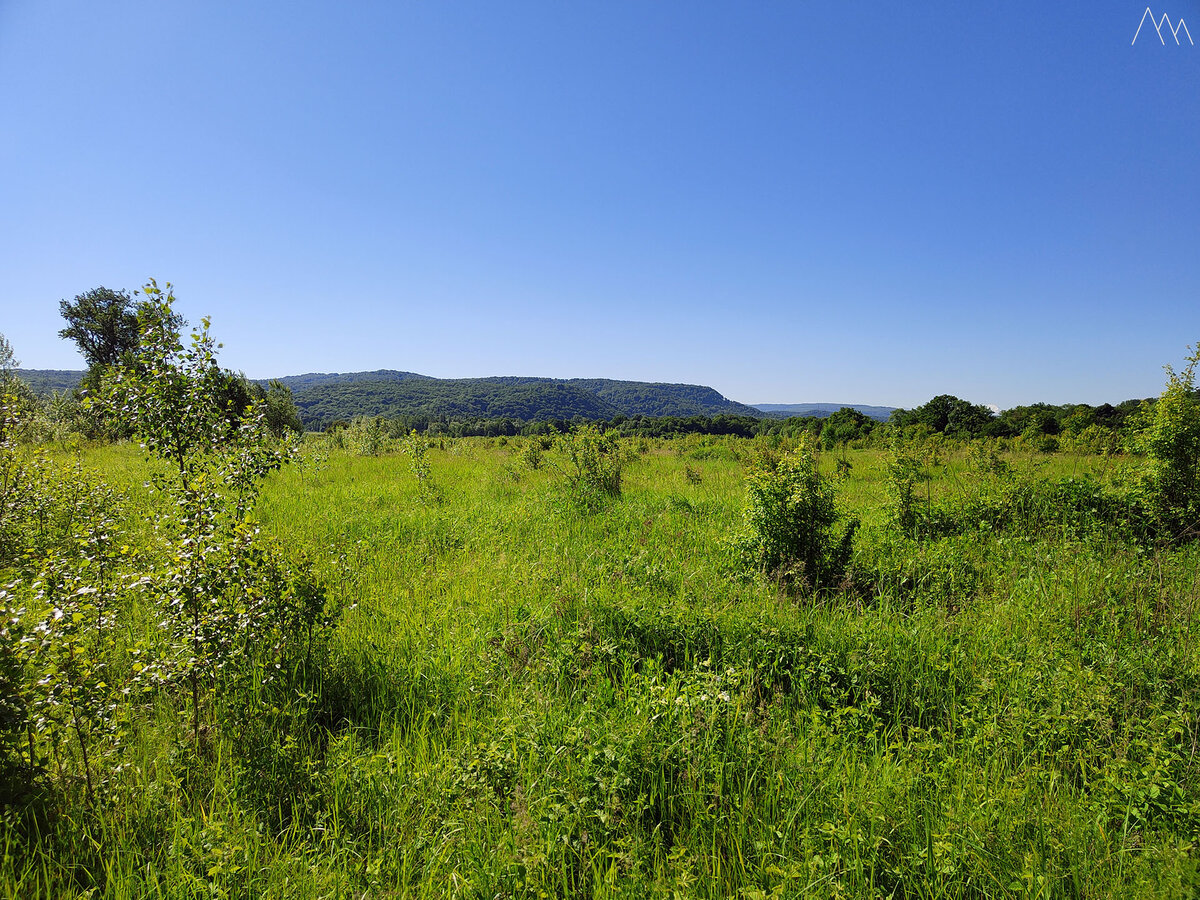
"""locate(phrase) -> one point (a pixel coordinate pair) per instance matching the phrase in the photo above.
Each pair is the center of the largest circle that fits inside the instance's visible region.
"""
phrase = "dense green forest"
(325, 399)
(524, 400)
(45, 382)
(496, 406)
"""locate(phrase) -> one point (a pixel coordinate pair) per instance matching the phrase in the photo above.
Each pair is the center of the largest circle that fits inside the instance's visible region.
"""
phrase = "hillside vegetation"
(325, 399)
(515, 398)
(44, 382)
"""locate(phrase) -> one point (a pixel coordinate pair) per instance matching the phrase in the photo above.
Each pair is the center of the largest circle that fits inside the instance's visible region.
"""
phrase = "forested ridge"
(324, 399)
(510, 404)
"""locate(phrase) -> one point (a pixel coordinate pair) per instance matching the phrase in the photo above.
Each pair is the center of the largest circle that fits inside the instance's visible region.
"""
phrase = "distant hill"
(45, 382)
(473, 398)
(319, 379)
(325, 397)
(328, 398)
(821, 410)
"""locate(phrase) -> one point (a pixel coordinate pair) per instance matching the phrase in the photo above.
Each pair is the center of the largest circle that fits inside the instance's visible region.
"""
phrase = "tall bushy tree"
(1169, 435)
(283, 416)
(106, 325)
(103, 323)
(948, 415)
(847, 424)
(228, 597)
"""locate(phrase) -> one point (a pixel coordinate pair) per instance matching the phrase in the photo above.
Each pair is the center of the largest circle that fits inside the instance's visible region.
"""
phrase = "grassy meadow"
(526, 691)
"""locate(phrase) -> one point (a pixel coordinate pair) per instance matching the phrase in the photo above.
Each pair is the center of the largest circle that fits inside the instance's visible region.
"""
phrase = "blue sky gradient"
(788, 201)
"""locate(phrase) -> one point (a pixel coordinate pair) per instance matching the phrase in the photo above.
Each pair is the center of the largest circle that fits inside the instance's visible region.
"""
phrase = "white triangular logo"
(1158, 28)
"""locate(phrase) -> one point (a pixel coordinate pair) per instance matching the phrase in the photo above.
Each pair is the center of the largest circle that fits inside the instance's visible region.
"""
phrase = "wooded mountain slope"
(323, 399)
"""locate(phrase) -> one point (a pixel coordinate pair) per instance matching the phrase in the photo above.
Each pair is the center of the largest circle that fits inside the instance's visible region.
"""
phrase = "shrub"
(904, 471)
(789, 519)
(65, 569)
(366, 436)
(1169, 434)
(594, 463)
(1094, 439)
(532, 455)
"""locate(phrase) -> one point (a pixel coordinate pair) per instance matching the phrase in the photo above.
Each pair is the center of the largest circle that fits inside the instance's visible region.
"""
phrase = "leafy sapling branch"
(224, 592)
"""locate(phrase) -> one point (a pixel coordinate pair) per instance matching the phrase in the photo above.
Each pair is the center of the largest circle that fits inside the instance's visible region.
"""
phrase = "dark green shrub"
(532, 455)
(594, 464)
(789, 517)
(1169, 435)
(904, 471)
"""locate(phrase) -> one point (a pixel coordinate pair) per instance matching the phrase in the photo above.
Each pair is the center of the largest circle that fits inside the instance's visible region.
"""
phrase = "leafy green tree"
(103, 323)
(106, 325)
(845, 425)
(1169, 434)
(280, 410)
(1031, 421)
(227, 597)
(948, 415)
(1079, 417)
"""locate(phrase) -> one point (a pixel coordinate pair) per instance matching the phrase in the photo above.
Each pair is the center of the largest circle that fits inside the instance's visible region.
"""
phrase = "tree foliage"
(946, 414)
(103, 323)
(788, 522)
(235, 611)
(107, 325)
(845, 425)
(227, 596)
(1169, 435)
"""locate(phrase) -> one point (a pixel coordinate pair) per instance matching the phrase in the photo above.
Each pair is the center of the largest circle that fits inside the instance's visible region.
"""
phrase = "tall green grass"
(530, 697)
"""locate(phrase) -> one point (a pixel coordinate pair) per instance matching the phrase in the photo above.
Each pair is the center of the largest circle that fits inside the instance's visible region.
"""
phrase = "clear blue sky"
(789, 201)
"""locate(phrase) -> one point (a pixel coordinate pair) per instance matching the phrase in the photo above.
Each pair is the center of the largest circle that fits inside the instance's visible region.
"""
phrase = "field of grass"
(528, 695)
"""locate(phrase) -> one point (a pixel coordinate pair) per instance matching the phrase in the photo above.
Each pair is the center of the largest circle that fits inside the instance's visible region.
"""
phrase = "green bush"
(1169, 435)
(789, 517)
(904, 471)
(66, 572)
(532, 454)
(594, 464)
(366, 436)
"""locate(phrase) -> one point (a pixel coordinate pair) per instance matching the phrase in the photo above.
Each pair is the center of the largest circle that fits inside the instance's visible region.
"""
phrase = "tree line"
(108, 326)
